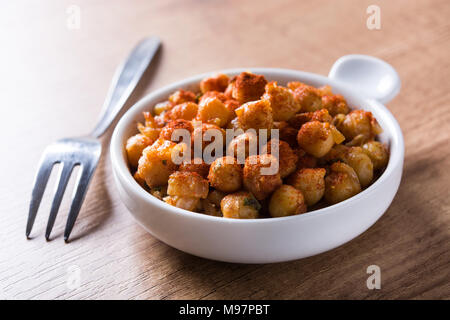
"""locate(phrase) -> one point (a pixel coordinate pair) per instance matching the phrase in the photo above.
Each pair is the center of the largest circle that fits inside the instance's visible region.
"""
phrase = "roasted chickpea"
(172, 126)
(286, 201)
(135, 145)
(212, 94)
(213, 111)
(182, 96)
(378, 153)
(187, 184)
(361, 163)
(195, 165)
(255, 115)
(219, 82)
(317, 138)
(151, 128)
(305, 160)
(159, 192)
(139, 180)
(186, 203)
(240, 146)
(240, 205)
(162, 107)
(286, 132)
(282, 101)
(261, 175)
(248, 87)
(341, 183)
(300, 119)
(155, 165)
(335, 104)
(307, 97)
(286, 156)
(225, 174)
(186, 111)
(359, 122)
(210, 208)
(232, 105)
(311, 182)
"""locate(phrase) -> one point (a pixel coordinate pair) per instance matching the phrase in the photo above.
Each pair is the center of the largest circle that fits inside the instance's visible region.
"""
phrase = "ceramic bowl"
(366, 83)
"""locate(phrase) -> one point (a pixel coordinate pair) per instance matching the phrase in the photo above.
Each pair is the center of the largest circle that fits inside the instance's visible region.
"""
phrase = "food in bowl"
(246, 148)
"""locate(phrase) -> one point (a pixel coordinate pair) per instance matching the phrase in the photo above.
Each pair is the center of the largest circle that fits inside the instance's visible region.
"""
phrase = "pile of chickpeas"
(327, 153)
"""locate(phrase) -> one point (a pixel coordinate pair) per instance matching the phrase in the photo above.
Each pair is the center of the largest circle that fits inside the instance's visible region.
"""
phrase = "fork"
(85, 151)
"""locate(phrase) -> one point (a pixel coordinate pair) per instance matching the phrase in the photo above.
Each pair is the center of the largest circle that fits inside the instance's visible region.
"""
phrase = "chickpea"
(282, 101)
(229, 90)
(232, 105)
(287, 157)
(213, 94)
(172, 126)
(186, 203)
(159, 192)
(335, 104)
(187, 184)
(200, 133)
(300, 119)
(261, 183)
(210, 208)
(307, 97)
(135, 145)
(213, 111)
(195, 165)
(240, 205)
(139, 180)
(317, 138)
(155, 165)
(225, 174)
(248, 87)
(240, 145)
(378, 153)
(341, 183)
(182, 96)
(255, 115)
(151, 128)
(286, 132)
(359, 122)
(311, 182)
(216, 196)
(361, 163)
(286, 201)
(218, 82)
(162, 107)
(186, 111)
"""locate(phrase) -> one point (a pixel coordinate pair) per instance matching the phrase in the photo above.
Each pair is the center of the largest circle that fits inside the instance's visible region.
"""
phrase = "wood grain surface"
(52, 84)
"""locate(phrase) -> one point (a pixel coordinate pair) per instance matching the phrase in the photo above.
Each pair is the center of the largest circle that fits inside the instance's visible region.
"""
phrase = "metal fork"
(85, 151)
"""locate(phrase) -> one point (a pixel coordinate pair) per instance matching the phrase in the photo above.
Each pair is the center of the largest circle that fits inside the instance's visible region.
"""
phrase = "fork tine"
(40, 182)
(62, 181)
(81, 188)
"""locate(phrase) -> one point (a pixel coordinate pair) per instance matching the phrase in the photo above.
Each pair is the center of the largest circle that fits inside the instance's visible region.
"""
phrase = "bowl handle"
(370, 76)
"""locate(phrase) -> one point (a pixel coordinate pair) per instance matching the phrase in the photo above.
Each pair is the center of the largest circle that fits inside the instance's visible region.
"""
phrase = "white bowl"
(274, 239)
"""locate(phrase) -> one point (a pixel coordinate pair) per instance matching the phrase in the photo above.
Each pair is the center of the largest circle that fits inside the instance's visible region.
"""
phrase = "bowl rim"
(120, 167)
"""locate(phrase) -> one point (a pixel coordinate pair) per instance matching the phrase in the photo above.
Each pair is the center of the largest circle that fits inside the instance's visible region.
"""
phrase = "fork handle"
(124, 82)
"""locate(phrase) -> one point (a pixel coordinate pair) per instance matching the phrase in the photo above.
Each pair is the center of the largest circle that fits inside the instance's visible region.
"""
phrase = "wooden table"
(53, 81)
